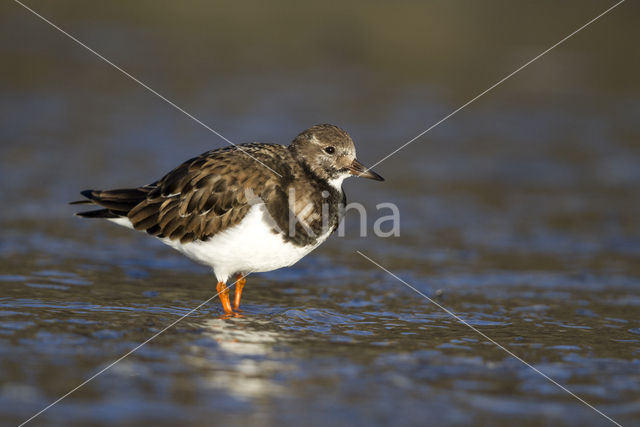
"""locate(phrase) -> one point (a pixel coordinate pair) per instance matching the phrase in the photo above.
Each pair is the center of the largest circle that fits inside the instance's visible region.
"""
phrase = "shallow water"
(520, 214)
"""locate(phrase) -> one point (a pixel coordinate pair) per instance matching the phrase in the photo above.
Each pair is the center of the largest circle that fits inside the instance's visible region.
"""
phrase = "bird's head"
(330, 154)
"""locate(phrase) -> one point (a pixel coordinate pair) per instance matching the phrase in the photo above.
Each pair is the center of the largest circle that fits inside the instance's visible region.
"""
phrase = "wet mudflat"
(522, 216)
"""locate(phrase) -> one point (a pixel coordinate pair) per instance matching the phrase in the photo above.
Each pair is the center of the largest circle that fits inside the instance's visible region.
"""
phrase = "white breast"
(250, 246)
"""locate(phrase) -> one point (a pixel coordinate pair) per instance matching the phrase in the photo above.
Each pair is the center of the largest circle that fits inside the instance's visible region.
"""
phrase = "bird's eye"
(330, 150)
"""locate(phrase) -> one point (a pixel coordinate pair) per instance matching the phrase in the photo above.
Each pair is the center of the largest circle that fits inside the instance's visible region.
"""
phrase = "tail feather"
(100, 213)
(116, 203)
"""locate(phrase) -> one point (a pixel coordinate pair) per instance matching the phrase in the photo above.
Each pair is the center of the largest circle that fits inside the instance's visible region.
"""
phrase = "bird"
(244, 208)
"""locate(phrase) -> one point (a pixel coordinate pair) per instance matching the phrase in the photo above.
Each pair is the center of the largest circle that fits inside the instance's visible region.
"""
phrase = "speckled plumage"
(210, 195)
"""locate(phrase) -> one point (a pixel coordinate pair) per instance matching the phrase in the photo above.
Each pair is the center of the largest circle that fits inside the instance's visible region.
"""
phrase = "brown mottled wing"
(206, 195)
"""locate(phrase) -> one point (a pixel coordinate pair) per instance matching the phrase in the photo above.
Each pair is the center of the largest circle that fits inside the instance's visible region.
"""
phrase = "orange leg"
(240, 282)
(223, 293)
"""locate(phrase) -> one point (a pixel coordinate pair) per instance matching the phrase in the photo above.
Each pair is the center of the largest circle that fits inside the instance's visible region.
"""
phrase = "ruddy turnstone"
(243, 209)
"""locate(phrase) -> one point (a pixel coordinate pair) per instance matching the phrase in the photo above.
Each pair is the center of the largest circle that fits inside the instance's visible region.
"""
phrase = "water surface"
(521, 214)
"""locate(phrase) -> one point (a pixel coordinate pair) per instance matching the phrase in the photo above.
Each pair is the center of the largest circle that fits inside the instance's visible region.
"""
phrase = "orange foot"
(240, 282)
(223, 293)
(229, 316)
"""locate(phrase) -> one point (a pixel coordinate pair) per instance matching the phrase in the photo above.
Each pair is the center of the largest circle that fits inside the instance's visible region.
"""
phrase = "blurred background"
(523, 211)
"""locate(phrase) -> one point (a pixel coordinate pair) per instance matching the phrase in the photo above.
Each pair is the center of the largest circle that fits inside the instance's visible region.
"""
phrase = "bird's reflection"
(245, 360)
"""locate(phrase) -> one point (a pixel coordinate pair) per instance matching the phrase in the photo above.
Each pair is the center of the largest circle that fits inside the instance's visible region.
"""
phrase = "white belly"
(248, 247)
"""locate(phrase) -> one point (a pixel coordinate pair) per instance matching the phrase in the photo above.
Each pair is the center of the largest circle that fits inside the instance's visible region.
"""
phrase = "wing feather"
(206, 195)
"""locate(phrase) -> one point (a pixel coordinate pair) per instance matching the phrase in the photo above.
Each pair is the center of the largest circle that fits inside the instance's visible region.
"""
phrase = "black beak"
(356, 168)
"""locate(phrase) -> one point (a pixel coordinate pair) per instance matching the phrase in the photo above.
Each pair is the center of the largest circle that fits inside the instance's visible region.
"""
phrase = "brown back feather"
(206, 195)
